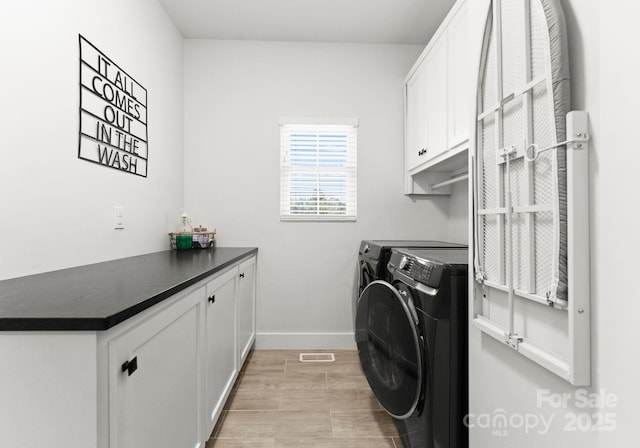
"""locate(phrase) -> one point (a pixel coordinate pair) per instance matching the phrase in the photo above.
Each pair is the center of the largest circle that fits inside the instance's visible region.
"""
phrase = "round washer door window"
(390, 348)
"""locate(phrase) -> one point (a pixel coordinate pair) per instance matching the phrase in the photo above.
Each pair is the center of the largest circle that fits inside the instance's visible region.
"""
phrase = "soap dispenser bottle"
(184, 233)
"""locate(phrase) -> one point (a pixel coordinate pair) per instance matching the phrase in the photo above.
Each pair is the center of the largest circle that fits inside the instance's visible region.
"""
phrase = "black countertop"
(99, 296)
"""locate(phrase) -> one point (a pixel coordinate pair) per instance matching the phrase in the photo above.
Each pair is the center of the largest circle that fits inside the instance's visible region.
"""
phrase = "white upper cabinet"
(437, 99)
(458, 68)
(415, 119)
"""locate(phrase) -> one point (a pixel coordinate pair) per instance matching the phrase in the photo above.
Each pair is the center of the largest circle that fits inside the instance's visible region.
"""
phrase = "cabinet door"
(220, 344)
(415, 131)
(153, 380)
(246, 303)
(459, 79)
(436, 98)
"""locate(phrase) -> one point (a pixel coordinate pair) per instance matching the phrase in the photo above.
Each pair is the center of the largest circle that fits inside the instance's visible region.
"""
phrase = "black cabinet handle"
(212, 299)
(242, 275)
(130, 366)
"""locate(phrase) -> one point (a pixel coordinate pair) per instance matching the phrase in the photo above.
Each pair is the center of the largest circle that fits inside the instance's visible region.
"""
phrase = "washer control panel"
(423, 271)
(429, 266)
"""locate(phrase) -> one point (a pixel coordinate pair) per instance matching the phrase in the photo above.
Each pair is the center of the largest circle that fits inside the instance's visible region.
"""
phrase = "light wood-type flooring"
(279, 402)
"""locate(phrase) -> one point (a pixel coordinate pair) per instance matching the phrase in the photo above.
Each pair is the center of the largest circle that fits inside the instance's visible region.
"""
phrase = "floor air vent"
(317, 357)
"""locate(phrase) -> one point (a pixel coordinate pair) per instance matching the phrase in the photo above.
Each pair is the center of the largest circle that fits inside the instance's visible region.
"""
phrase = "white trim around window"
(318, 169)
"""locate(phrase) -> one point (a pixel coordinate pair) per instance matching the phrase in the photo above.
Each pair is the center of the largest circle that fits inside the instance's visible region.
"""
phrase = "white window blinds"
(318, 170)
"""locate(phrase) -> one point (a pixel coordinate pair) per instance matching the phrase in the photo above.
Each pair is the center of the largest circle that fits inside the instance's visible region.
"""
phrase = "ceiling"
(356, 21)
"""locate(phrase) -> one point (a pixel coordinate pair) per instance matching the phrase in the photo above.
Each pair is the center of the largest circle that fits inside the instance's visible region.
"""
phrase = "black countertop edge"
(92, 324)
(114, 320)
(51, 324)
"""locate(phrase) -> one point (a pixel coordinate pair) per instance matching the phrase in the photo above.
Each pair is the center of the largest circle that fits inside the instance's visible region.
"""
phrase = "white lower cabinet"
(165, 374)
(246, 306)
(158, 379)
(153, 379)
(220, 345)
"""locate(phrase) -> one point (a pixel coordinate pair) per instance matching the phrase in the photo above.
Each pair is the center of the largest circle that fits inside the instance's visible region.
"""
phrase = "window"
(318, 170)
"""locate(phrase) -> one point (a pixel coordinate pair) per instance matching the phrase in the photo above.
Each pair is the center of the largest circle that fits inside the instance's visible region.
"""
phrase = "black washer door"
(390, 348)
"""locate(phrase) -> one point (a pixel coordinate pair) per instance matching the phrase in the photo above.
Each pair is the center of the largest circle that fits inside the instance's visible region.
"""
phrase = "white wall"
(603, 40)
(57, 210)
(458, 213)
(235, 93)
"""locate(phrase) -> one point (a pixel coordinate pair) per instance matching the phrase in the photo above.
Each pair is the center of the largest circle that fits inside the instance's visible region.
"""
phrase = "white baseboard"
(294, 341)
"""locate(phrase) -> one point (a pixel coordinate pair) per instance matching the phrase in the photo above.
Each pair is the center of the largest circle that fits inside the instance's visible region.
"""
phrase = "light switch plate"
(118, 217)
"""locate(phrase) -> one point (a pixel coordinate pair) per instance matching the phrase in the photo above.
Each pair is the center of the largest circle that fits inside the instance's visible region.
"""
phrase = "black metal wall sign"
(113, 114)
